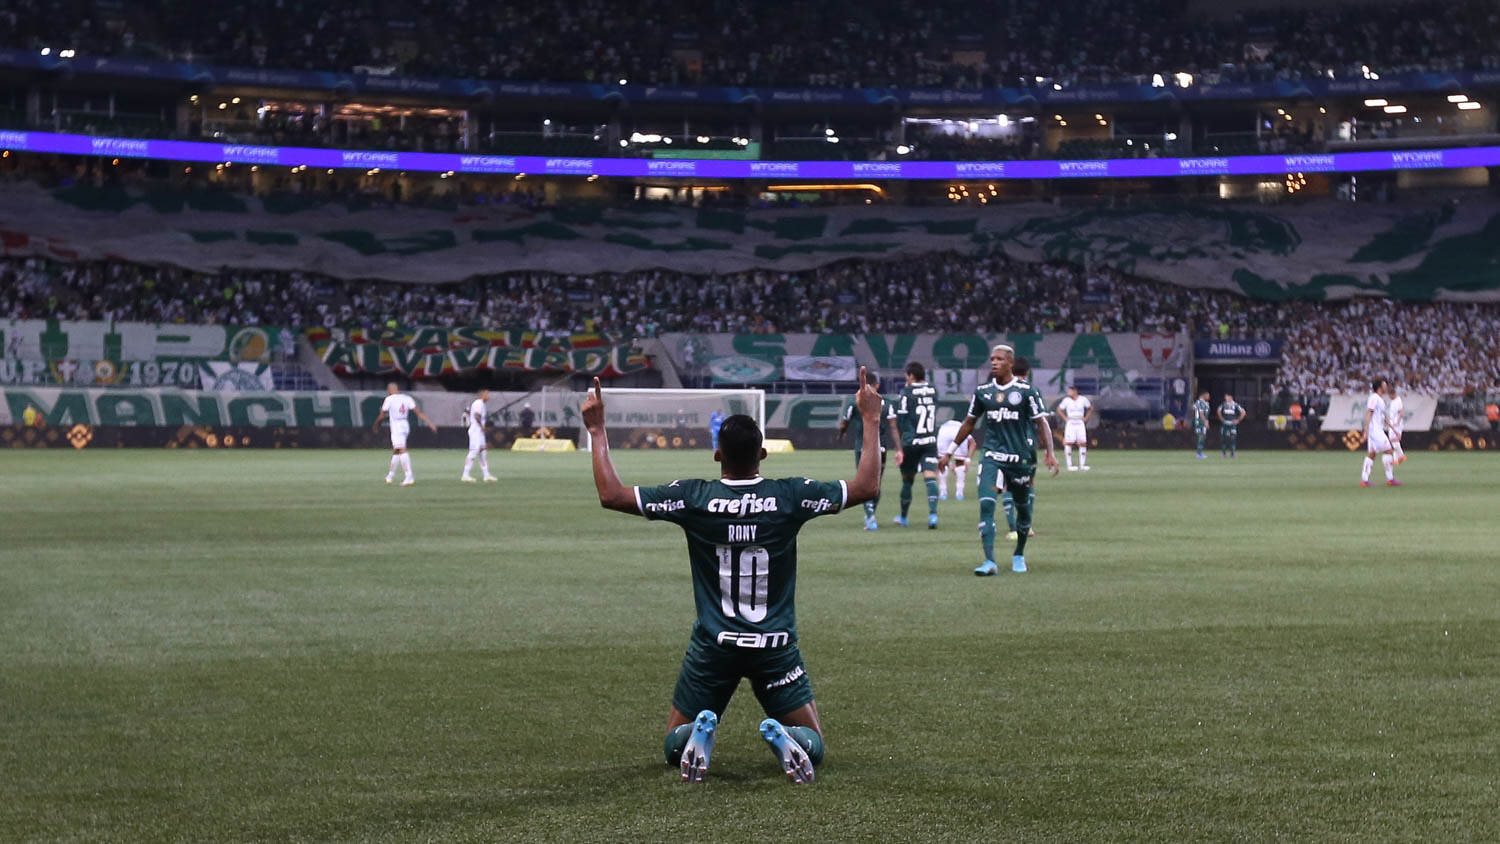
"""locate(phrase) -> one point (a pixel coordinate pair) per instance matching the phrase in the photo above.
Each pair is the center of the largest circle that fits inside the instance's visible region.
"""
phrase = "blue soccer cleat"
(794, 760)
(871, 523)
(699, 747)
(932, 521)
(988, 569)
(1018, 564)
(900, 521)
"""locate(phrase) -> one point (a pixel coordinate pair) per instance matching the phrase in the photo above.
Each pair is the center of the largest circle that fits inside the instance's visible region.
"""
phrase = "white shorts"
(945, 443)
(1378, 442)
(1394, 435)
(399, 430)
(476, 440)
(1075, 433)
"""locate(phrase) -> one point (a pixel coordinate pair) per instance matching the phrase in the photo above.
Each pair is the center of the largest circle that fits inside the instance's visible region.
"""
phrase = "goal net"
(665, 418)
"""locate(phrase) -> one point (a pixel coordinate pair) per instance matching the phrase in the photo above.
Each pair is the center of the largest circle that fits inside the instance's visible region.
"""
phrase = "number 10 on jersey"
(743, 588)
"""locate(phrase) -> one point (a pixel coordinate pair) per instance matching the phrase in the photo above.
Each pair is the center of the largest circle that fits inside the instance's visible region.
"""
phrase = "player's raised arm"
(613, 495)
(866, 483)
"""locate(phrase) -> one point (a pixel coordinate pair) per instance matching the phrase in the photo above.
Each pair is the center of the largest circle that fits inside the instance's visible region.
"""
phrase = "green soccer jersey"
(1009, 412)
(857, 423)
(1200, 413)
(916, 414)
(1232, 411)
(742, 546)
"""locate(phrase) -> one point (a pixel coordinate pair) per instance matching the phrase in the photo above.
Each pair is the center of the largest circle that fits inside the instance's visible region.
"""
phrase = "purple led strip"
(1343, 162)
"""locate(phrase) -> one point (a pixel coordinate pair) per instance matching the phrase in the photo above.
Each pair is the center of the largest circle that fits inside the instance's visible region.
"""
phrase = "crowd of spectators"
(1328, 346)
(838, 43)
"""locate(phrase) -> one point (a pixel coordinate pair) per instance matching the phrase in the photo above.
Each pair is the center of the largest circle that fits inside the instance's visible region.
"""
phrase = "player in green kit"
(1230, 414)
(742, 547)
(915, 428)
(852, 421)
(1015, 417)
(1200, 422)
(1020, 369)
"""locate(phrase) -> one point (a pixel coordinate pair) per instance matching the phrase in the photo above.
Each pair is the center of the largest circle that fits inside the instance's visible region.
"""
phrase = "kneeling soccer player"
(1014, 418)
(742, 545)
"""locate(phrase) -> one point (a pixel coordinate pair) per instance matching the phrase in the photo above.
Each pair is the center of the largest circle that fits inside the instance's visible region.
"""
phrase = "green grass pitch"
(253, 645)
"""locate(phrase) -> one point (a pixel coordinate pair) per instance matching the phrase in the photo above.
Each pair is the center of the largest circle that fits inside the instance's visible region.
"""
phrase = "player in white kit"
(1376, 439)
(1076, 411)
(1395, 422)
(478, 447)
(960, 459)
(398, 405)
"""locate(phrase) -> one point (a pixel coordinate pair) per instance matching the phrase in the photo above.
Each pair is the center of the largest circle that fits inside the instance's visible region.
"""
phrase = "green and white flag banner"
(1319, 249)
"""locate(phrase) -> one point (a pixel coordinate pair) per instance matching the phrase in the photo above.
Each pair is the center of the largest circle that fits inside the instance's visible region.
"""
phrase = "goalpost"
(669, 412)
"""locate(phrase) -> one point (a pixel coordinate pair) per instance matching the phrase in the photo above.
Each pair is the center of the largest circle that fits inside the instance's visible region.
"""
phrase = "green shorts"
(995, 476)
(919, 458)
(710, 674)
(1200, 429)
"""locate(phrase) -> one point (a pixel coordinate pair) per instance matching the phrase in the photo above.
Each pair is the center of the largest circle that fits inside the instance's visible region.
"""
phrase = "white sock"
(1398, 451)
(468, 463)
(1385, 461)
(1364, 472)
(395, 464)
(484, 461)
(943, 482)
(1083, 455)
(406, 465)
(961, 475)
(1068, 453)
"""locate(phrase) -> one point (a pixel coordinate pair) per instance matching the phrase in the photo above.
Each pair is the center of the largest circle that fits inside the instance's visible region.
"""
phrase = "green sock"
(932, 495)
(1200, 443)
(810, 741)
(1023, 521)
(906, 495)
(677, 739)
(870, 507)
(1008, 501)
(987, 526)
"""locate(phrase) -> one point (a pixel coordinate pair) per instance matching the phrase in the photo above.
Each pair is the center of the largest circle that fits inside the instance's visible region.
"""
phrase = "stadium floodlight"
(1376, 103)
(1458, 98)
(624, 143)
(1469, 106)
(1395, 109)
(46, 51)
(1157, 81)
(903, 149)
(623, 81)
(703, 139)
(546, 121)
(1184, 80)
(828, 132)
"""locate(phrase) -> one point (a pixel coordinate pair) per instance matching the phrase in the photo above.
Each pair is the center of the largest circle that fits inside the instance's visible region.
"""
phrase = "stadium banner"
(184, 374)
(683, 414)
(50, 340)
(435, 351)
(1237, 350)
(819, 368)
(1346, 412)
(237, 377)
(1207, 86)
(740, 369)
(1121, 357)
(1322, 249)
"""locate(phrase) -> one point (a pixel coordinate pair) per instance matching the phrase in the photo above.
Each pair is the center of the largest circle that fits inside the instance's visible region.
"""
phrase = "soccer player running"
(479, 448)
(742, 545)
(1076, 412)
(915, 428)
(1395, 423)
(1014, 418)
(1230, 415)
(1375, 437)
(1200, 422)
(398, 404)
(853, 421)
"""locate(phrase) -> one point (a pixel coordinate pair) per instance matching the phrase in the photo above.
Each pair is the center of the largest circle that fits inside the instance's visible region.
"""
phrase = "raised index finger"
(598, 389)
(861, 380)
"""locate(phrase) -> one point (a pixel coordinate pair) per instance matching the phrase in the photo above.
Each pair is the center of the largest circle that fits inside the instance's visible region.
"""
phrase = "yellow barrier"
(537, 444)
(778, 446)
